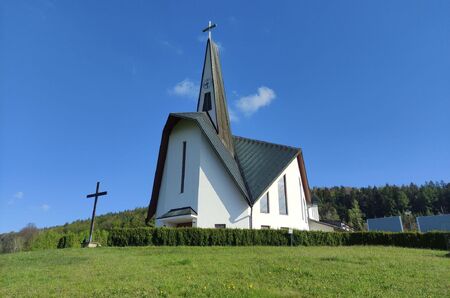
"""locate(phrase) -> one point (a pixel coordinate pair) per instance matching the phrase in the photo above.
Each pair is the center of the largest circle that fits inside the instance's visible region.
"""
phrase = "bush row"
(242, 237)
(51, 239)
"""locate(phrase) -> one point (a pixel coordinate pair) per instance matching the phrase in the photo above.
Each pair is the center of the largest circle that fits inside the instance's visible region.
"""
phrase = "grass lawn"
(227, 271)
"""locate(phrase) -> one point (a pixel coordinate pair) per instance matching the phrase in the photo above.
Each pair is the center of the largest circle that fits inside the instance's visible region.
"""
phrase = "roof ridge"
(185, 113)
(268, 143)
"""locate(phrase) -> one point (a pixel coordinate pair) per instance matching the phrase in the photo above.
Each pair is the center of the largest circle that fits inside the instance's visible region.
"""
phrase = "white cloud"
(252, 103)
(185, 88)
(233, 116)
(45, 207)
(17, 196)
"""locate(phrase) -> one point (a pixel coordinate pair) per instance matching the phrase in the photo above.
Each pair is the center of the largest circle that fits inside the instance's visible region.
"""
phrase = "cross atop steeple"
(209, 28)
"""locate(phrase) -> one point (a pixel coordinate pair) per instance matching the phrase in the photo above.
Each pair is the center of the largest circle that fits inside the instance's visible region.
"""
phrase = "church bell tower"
(212, 99)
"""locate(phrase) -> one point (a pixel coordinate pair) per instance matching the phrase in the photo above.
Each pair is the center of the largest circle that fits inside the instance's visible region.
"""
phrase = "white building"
(208, 178)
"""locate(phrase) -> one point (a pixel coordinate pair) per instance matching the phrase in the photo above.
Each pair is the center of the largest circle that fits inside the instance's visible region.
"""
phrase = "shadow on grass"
(344, 260)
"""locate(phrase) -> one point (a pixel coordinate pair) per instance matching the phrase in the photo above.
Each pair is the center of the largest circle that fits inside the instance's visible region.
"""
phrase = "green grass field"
(227, 271)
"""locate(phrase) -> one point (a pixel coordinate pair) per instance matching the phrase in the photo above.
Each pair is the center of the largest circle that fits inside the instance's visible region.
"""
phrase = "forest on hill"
(354, 205)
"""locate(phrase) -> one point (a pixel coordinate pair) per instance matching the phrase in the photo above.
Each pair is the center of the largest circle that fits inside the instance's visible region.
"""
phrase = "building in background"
(385, 224)
(433, 223)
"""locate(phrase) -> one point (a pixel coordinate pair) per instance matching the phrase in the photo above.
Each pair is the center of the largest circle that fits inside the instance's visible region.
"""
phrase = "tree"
(355, 219)
(402, 201)
(328, 212)
(28, 234)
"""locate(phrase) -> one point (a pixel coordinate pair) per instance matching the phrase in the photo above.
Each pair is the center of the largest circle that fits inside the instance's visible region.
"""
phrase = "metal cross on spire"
(209, 28)
(95, 195)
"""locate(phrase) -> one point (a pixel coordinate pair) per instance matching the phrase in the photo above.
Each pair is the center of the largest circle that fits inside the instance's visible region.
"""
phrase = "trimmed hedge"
(48, 239)
(242, 237)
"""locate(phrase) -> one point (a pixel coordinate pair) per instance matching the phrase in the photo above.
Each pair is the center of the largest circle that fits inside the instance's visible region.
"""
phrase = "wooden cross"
(95, 195)
(209, 28)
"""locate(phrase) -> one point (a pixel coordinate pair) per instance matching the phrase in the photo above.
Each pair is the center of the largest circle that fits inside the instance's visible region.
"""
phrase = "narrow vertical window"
(282, 196)
(183, 167)
(264, 204)
(207, 102)
(306, 210)
(301, 199)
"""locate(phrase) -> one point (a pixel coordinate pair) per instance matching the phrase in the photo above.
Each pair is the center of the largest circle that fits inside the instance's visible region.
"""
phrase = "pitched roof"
(262, 162)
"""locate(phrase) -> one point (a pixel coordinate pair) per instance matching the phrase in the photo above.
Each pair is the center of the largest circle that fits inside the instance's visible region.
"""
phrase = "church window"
(264, 204)
(183, 167)
(207, 102)
(306, 210)
(282, 196)
(220, 226)
(301, 200)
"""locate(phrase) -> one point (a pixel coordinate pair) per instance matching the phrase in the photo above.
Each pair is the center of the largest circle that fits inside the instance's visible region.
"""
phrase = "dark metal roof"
(179, 212)
(261, 163)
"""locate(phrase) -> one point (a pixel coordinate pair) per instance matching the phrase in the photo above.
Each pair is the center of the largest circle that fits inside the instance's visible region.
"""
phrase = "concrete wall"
(170, 196)
(317, 226)
(297, 213)
(219, 199)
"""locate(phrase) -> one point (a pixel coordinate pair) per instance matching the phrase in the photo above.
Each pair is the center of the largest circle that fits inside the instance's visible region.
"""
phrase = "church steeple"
(212, 98)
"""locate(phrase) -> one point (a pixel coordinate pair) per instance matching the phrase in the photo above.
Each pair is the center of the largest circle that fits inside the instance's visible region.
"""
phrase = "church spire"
(212, 98)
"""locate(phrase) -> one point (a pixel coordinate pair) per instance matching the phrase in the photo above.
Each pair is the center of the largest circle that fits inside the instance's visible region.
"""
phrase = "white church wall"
(219, 199)
(313, 211)
(297, 217)
(170, 196)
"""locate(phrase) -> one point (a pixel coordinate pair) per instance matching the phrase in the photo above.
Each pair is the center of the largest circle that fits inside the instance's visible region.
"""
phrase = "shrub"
(69, 240)
(243, 237)
(48, 239)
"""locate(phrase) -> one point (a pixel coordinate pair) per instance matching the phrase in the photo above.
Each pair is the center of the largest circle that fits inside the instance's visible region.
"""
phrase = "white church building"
(208, 178)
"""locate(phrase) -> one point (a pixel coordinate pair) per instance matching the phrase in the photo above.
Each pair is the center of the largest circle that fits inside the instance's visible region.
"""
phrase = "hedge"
(48, 239)
(243, 237)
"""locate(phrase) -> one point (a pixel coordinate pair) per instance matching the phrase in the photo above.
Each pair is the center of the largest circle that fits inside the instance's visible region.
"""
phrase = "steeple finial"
(209, 28)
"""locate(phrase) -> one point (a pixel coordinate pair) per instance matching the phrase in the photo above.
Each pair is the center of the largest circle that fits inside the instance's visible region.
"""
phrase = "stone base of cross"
(91, 244)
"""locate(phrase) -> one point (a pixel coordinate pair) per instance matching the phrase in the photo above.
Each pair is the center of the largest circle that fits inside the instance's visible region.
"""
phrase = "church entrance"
(184, 225)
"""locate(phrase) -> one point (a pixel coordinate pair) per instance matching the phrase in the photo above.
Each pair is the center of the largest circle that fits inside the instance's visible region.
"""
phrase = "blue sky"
(86, 86)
